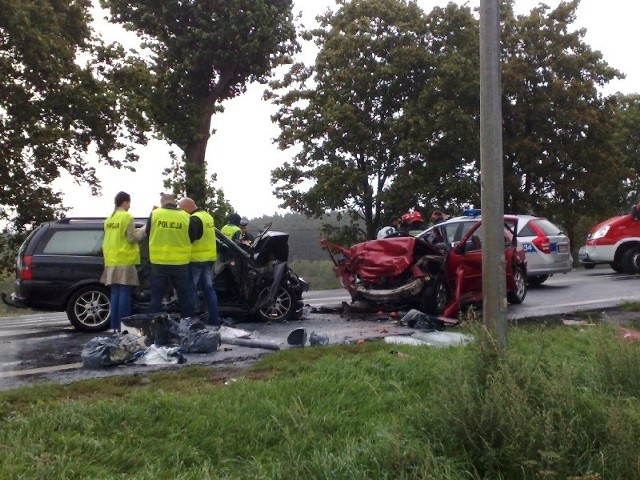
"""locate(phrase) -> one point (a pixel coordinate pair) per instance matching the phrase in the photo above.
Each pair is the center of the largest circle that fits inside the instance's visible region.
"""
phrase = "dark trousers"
(163, 277)
(202, 277)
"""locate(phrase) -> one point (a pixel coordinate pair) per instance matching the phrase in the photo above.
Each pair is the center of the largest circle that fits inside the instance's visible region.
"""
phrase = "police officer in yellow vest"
(203, 255)
(170, 254)
(232, 228)
(121, 254)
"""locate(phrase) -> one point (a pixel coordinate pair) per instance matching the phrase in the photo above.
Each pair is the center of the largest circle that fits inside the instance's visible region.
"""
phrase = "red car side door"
(465, 263)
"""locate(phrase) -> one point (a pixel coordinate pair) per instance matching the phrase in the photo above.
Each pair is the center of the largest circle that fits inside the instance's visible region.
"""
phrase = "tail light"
(25, 272)
(542, 243)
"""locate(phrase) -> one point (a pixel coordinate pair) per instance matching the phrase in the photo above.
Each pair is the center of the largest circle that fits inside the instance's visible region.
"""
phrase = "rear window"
(74, 242)
(543, 224)
(27, 240)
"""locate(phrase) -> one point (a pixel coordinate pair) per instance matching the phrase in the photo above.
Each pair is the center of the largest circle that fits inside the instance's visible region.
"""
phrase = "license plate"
(563, 248)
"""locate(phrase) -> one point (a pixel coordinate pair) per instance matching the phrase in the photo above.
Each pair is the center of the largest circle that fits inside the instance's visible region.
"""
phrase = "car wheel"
(281, 308)
(89, 308)
(435, 296)
(591, 266)
(630, 260)
(615, 266)
(537, 280)
(517, 295)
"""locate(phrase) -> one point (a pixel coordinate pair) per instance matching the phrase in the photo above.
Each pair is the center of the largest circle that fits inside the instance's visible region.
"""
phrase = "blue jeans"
(164, 277)
(202, 276)
(120, 303)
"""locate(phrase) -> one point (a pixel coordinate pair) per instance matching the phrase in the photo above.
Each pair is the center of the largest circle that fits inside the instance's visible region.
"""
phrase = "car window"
(449, 232)
(527, 231)
(474, 242)
(547, 227)
(465, 227)
(76, 242)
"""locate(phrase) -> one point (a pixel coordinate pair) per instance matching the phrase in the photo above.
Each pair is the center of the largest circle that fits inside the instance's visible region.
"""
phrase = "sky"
(242, 153)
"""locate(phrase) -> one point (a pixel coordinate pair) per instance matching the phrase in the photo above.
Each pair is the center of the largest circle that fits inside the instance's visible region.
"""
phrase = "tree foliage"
(422, 151)
(560, 159)
(627, 142)
(65, 97)
(215, 200)
(347, 113)
(202, 53)
(62, 96)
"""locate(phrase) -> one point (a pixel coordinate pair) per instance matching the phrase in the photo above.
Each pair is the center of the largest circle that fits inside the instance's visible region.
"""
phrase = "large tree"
(63, 101)
(62, 97)
(348, 115)
(198, 54)
(560, 158)
(627, 140)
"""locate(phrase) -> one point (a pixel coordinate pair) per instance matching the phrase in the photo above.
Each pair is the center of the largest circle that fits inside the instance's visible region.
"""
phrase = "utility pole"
(494, 288)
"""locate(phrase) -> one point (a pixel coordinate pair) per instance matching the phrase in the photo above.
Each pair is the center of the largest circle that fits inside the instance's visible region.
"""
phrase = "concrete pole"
(494, 290)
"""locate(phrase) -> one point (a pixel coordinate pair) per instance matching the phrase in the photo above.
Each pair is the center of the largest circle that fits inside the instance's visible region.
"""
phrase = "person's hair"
(120, 198)
(166, 198)
(234, 219)
(437, 214)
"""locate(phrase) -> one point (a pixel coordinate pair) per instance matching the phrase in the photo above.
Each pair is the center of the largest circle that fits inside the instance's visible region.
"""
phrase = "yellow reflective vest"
(116, 249)
(204, 249)
(169, 242)
(230, 230)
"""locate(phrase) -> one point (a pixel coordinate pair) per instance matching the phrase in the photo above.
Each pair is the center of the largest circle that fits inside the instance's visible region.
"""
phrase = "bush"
(319, 273)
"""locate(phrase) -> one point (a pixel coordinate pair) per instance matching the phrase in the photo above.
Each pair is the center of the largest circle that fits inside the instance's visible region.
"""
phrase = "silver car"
(546, 247)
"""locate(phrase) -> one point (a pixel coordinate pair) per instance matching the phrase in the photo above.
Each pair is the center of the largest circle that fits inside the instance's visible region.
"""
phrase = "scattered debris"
(246, 342)
(422, 321)
(297, 337)
(566, 321)
(443, 339)
(629, 334)
(316, 339)
(430, 339)
(227, 332)
(161, 355)
(102, 352)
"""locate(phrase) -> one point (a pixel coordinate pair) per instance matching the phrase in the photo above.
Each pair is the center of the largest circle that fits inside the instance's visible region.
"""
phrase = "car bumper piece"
(408, 290)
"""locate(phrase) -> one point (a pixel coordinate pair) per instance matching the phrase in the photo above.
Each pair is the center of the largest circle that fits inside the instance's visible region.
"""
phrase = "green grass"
(561, 403)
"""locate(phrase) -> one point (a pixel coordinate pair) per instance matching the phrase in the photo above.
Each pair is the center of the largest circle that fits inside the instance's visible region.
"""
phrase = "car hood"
(388, 257)
(611, 222)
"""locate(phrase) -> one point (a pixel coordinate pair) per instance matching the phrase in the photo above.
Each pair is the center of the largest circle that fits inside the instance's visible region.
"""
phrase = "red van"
(616, 242)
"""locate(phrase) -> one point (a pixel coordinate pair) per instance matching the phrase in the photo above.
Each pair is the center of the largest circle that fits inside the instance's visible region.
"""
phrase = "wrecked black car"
(58, 268)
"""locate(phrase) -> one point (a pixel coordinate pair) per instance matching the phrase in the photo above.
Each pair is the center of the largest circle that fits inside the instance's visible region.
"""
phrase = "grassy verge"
(562, 403)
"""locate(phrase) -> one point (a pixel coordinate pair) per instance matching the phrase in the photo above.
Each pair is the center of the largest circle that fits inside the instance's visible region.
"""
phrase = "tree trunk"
(195, 168)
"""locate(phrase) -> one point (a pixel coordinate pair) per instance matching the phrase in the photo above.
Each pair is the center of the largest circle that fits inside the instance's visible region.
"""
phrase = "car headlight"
(601, 232)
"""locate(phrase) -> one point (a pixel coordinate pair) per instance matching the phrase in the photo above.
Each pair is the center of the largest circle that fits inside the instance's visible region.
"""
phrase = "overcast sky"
(242, 153)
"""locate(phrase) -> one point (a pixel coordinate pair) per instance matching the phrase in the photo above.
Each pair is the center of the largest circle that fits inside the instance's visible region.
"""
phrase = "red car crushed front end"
(401, 271)
(431, 273)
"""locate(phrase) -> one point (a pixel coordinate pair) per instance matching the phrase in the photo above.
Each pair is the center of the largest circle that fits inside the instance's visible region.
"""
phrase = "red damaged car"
(429, 272)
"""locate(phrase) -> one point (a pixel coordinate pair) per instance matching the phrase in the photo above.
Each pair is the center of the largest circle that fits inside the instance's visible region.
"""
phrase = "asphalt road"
(44, 346)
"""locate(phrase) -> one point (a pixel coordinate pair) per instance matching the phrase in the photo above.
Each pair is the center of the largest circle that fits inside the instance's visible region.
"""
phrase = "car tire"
(537, 280)
(89, 309)
(435, 296)
(615, 266)
(630, 260)
(282, 308)
(516, 297)
(591, 266)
